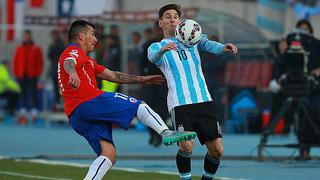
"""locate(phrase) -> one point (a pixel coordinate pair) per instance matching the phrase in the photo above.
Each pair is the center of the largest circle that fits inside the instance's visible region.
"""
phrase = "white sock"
(150, 118)
(98, 168)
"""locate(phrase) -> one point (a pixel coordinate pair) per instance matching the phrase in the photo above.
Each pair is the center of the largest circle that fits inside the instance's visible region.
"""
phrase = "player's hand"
(169, 46)
(74, 80)
(316, 72)
(230, 48)
(153, 79)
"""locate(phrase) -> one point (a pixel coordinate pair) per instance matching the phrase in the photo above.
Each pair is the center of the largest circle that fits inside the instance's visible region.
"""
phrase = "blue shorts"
(93, 119)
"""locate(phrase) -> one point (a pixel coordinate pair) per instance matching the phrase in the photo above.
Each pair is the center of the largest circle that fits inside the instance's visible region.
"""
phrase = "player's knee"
(108, 150)
(216, 152)
(112, 156)
(143, 104)
(219, 152)
(186, 146)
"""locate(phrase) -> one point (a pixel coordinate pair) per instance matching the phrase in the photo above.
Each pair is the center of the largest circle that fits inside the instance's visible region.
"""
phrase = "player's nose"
(172, 19)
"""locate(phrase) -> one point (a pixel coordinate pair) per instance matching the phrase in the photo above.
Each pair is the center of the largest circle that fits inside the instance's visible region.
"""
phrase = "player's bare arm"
(69, 67)
(123, 78)
(230, 48)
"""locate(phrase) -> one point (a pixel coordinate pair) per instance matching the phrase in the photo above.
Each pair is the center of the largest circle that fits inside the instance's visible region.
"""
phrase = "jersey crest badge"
(74, 53)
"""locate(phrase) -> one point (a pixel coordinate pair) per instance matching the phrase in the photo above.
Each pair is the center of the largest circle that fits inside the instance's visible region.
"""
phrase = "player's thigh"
(110, 108)
(207, 124)
(92, 132)
(182, 116)
(215, 147)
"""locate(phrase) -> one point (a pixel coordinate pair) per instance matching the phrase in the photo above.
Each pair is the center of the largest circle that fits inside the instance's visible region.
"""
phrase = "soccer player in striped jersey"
(92, 112)
(189, 102)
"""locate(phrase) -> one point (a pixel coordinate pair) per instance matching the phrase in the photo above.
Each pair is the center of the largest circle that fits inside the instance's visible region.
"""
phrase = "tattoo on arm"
(126, 78)
(69, 66)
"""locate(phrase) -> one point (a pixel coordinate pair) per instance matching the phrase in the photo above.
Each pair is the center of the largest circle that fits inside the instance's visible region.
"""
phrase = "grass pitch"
(25, 170)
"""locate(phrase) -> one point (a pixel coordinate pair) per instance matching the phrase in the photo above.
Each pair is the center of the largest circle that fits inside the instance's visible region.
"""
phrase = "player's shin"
(211, 165)
(183, 161)
(150, 118)
(98, 168)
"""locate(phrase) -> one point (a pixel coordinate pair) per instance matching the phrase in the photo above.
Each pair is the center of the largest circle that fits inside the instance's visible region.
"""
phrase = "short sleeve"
(97, 67)
(76, 54)
(154, 53)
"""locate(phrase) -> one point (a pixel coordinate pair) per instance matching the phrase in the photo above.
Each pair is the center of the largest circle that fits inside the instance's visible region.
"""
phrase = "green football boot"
(170, 137)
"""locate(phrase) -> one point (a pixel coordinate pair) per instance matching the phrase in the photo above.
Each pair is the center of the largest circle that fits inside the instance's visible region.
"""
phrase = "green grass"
(69, 172)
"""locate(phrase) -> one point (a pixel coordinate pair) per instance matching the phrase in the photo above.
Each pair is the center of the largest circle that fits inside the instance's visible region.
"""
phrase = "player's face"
(169, 21)
(90, 39)
(305, 28)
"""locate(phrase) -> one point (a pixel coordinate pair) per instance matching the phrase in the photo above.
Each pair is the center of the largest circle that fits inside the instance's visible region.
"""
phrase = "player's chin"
(91, 48)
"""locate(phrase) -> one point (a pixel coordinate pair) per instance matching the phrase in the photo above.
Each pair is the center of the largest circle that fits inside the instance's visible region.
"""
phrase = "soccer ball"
(188, 32)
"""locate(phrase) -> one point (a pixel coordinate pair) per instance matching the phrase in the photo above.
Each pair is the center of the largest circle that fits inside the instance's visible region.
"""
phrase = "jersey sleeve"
(75, 54)
(154, 53)
(210, 46)
(97, 67)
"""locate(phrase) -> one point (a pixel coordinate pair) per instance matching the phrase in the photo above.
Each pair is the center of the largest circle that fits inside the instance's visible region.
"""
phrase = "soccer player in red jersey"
(92, 112)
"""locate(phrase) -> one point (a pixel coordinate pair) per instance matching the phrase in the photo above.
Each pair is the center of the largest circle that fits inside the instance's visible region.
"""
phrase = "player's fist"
(230, 48)
(169, 46)
(153, 79)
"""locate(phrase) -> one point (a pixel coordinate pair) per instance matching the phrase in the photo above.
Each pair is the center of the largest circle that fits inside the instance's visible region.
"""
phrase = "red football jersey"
(86, 68)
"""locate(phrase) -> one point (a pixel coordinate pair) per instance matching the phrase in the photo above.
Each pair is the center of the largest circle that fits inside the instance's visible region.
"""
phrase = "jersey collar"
(73, 44)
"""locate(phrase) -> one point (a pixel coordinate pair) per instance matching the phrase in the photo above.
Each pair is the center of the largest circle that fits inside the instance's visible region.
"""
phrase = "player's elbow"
(107, 75)
(151, 57)
(154, 55)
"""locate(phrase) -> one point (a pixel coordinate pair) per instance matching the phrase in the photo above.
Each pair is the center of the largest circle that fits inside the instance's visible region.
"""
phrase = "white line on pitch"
(41, 161)
(29, 176)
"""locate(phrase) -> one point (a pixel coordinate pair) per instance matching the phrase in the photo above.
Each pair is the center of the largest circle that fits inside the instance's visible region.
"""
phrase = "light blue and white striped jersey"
(182, 69)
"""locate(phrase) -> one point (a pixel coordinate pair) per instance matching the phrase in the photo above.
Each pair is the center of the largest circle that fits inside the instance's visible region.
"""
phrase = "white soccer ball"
(188, 32)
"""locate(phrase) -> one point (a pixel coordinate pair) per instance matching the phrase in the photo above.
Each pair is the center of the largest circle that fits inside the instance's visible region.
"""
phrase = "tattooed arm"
(127, 78)
(69, 67)
(123, 78)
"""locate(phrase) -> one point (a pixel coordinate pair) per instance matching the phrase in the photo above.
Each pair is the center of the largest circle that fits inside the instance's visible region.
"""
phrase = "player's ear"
(81, 35)
(160, 23)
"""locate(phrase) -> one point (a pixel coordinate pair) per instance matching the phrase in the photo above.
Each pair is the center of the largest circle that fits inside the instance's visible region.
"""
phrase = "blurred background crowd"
(34, 33)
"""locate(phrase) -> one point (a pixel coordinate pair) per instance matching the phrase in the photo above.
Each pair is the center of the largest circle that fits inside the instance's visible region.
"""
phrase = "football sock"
(210, 167)
(183, 160)
(150, 118)
(99, 168)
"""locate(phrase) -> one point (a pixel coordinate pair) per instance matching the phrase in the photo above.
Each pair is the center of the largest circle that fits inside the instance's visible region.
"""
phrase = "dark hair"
(306, 22)
(77, 27)
(169, 7)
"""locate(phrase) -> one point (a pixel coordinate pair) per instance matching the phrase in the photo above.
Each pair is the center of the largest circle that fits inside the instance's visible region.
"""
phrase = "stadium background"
(250, 24)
